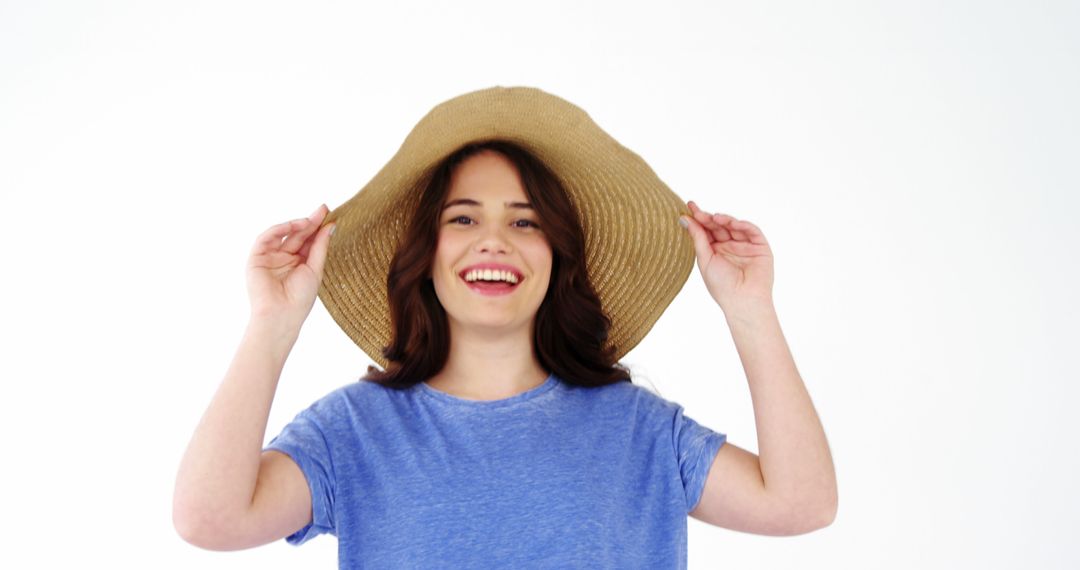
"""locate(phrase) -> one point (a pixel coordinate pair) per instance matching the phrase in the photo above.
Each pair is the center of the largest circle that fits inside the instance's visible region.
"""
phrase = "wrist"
(276, 329)
(749, 311)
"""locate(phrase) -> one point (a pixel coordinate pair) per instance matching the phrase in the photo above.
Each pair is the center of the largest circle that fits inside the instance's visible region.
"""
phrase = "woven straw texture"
(637, 254)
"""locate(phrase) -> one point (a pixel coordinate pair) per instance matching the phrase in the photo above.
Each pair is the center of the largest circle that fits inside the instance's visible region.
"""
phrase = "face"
(483, 222)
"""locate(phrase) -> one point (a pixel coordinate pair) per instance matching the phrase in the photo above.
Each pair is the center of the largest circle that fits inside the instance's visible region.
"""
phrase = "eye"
(517, 223)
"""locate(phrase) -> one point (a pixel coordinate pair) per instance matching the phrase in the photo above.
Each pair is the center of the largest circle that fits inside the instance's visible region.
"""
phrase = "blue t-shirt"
(558, 476)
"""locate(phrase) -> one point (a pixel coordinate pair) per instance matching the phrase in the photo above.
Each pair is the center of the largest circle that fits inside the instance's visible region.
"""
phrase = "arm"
(795, 462)
(216, 480)
(219, 473)
(791, 487)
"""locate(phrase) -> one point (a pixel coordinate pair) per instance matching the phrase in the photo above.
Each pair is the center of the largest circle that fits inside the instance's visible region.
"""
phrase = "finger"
(297, 238)
(698, 234)
(743, 248)
(305, 249)
(727, 223)
(710, 223)
(295, 241)
(752, 232)
(722, 226)
(270, 239)
(730, 224)
(700, 215)
(714, 223)
(319, 213)
(320, 244)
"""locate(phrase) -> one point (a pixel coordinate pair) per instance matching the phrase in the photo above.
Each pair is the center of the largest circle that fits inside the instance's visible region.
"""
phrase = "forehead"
(486, 177)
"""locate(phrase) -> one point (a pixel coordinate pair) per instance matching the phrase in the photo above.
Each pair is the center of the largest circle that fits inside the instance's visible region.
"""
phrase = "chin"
(492, 322)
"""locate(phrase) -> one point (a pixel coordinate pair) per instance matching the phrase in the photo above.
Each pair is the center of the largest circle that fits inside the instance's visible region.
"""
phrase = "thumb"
(317, 256)
(700, 239)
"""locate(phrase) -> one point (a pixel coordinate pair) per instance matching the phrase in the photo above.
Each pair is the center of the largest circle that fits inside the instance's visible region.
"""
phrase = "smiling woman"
(494, 202)
(523, 252)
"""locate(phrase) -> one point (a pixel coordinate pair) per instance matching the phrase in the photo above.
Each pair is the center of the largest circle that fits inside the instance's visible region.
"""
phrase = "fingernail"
(332, 228)
(684, 223)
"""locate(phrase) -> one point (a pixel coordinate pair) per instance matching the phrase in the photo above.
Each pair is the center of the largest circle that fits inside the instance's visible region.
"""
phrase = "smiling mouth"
(491, 287)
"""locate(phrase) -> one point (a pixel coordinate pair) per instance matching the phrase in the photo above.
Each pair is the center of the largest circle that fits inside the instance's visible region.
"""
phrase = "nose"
(493, 240)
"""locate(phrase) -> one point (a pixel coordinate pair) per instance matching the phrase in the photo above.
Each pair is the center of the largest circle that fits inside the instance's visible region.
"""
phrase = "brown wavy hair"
(571, 326)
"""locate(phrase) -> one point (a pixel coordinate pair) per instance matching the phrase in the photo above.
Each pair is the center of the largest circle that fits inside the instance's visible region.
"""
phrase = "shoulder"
(627, 399)
(647, 398)
(352, 398)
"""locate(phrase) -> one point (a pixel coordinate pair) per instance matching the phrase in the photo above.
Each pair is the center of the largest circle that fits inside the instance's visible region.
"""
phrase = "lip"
(492, 292)
(500, 266)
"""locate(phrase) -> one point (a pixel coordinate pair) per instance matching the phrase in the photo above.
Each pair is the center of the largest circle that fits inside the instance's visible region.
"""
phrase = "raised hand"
(285, 268)
(733, 256)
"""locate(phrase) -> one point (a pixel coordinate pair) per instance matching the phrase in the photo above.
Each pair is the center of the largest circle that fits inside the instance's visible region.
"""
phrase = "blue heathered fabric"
(559, 476)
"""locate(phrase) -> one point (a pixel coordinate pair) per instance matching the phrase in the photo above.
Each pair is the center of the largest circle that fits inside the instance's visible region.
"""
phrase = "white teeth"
(491, 275)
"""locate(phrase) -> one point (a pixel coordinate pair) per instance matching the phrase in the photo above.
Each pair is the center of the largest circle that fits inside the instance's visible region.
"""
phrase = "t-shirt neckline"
(543, 388)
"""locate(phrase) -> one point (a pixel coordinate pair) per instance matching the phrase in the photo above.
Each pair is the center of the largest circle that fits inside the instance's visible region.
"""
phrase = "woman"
(502, 431)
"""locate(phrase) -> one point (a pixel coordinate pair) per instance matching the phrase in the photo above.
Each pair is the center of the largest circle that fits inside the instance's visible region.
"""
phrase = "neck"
(490, 366)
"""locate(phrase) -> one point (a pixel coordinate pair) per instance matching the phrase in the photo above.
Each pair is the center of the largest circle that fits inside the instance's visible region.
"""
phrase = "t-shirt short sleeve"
(304, 440)
(695, 447)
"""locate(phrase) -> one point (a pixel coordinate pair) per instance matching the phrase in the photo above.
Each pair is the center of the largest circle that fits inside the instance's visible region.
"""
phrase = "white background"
(913, 164)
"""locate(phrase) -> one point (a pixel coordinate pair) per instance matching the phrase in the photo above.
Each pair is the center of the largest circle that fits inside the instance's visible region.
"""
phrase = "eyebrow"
(471, 202)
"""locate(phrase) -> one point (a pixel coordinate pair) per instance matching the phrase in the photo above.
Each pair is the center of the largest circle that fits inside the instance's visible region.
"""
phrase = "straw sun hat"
(638, 256)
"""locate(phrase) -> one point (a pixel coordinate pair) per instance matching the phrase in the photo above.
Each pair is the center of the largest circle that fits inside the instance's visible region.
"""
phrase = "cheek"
(539, 255)
(450, 251)
(441, 264)
(444, 250)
